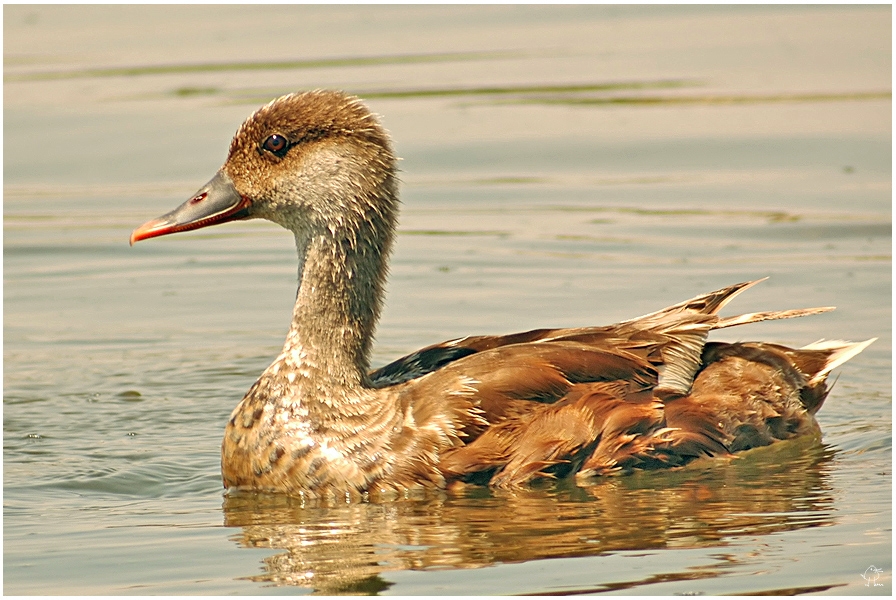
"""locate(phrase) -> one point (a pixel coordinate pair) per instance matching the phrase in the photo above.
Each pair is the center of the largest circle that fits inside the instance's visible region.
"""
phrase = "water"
(562, 167)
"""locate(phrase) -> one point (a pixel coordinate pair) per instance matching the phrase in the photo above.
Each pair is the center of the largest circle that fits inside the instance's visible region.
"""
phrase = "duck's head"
(313, 161)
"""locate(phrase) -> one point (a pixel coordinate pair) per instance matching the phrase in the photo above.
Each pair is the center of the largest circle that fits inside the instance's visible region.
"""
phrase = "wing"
(602, 400)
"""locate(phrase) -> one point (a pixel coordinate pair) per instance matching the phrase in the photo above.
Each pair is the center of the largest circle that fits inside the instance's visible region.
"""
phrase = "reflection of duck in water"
(645, 393)
(871, 575)
(339, 547)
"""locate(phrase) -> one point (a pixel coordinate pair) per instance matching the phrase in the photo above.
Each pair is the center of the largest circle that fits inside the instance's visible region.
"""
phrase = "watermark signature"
(871, 575)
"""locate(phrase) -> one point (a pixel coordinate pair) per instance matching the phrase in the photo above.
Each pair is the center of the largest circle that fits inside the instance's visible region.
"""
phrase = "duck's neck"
(342, 273)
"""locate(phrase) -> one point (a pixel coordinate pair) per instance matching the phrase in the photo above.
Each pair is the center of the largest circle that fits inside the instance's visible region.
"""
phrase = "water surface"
(561, 167)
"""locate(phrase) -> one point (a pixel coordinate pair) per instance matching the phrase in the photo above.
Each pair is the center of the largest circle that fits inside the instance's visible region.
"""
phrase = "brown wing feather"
(646, 393)
(507, 380)
(520, 447)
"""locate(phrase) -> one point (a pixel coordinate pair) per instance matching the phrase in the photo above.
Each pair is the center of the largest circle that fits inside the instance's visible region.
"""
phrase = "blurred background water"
(562, 166)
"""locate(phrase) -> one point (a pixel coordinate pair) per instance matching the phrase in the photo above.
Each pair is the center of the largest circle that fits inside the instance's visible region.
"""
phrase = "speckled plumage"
(501, 410)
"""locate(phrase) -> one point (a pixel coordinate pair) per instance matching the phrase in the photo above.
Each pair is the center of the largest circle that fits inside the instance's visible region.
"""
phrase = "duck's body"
(645, 393)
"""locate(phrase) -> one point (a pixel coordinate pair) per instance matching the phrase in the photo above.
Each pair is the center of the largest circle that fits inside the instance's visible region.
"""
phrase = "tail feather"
(769, 316)
(705, 304)
(688, 323)
(840, 352)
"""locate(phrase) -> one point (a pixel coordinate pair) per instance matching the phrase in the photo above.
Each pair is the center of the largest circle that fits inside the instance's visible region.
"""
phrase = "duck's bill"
(217, 202)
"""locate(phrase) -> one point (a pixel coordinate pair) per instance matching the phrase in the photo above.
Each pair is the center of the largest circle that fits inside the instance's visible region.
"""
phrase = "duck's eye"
(276, 144)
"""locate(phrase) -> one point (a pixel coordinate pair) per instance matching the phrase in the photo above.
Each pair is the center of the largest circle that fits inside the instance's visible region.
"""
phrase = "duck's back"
(647, 393)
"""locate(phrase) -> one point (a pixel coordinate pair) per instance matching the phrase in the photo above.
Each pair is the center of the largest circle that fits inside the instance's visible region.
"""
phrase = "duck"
(487, 410)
